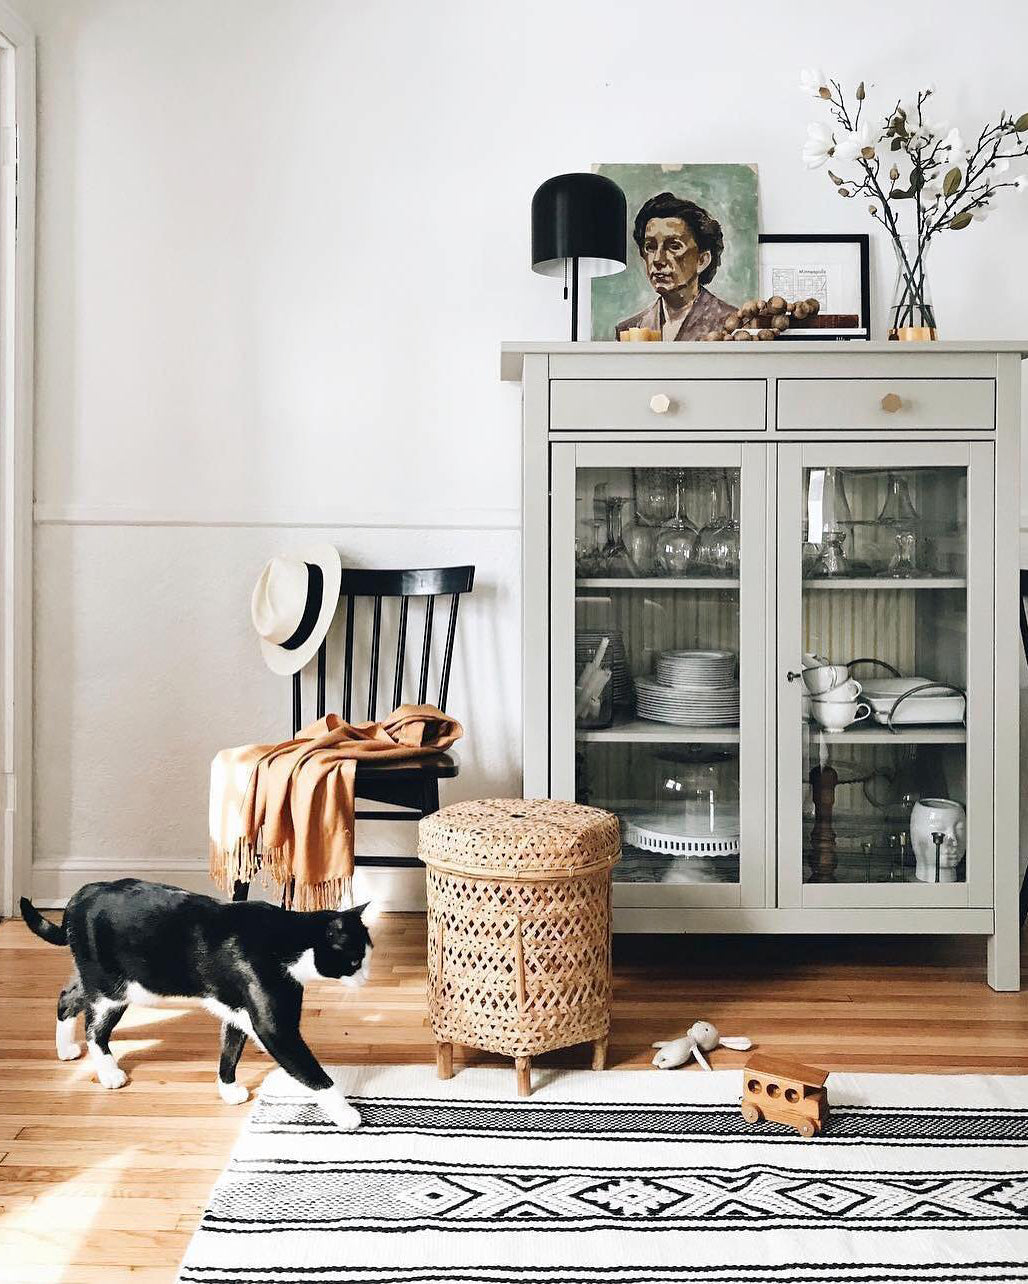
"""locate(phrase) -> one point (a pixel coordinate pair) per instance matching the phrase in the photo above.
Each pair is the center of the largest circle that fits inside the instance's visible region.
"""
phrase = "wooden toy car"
(786, 1092)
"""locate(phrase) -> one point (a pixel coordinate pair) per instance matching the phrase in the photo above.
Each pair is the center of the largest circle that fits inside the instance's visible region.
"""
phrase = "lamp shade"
(579, 216)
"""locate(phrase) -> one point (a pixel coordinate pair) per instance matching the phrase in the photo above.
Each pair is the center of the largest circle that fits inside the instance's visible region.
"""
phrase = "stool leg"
(600, 1054)
(523, 1067)
(444, 1060)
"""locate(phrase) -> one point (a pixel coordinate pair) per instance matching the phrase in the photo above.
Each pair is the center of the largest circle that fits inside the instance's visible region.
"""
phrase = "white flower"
(1021, 182)
(1000, 165)
(929, 88)
(853, 142)
(953, 144)
(812, 81)
(819, 145)
(981, 213)
(931, 191)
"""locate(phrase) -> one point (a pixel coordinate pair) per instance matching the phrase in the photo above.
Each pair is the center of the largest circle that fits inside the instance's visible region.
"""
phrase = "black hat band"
(311, 609)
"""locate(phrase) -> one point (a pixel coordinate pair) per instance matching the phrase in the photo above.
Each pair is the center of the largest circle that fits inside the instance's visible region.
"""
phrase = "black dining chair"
(412, 786)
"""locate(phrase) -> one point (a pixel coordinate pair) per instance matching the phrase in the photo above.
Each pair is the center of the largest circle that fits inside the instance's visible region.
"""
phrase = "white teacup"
(825, 676)
(844, 692)
(837, 715)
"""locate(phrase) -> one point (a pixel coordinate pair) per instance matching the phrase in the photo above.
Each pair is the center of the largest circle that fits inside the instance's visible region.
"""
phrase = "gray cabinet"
(702, 525)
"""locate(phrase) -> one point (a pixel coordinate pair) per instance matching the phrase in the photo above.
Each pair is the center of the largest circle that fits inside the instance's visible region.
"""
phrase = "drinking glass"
(641, 542)
(717, 549)
(589, 561)
(676, 539)
(654, 495)
(615, 554)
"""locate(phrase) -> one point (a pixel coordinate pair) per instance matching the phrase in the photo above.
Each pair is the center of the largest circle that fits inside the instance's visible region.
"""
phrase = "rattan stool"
(519, 928)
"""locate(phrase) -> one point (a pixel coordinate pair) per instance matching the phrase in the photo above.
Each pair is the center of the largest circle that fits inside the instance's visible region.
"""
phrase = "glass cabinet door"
(658, 688)
(885, 685)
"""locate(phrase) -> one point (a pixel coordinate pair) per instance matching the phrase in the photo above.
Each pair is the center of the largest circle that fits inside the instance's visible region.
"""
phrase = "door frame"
(978, 459)
(755, 778)
(17, 304)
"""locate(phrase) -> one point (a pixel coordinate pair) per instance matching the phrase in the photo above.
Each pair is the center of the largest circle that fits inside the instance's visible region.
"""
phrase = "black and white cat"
(138, 942)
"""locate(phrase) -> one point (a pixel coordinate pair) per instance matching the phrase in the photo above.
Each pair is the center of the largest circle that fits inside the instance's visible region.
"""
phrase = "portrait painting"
(691, 250)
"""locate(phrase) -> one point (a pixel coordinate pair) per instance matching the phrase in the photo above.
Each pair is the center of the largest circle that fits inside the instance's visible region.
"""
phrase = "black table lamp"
(578, 220)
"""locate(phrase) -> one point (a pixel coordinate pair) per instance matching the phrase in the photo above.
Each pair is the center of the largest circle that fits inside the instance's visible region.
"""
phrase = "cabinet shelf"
(643, 731)
(928, 582)
(659, 582)
(860, 735)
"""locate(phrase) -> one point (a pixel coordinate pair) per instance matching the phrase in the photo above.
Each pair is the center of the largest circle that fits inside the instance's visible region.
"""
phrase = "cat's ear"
(367, 913)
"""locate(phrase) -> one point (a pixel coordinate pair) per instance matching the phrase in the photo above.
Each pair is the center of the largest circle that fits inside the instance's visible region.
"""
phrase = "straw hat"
(293, 603)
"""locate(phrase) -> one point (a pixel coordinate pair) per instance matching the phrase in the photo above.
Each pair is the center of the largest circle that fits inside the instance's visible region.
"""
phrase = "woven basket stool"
(519, 928)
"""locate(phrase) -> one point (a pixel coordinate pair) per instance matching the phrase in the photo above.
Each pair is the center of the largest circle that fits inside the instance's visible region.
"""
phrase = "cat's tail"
(54, 933)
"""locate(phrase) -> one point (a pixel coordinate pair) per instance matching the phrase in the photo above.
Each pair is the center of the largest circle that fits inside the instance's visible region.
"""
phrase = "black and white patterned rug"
(636, 1177)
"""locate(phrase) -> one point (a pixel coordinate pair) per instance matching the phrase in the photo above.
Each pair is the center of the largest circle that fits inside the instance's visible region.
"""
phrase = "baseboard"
(391, 890)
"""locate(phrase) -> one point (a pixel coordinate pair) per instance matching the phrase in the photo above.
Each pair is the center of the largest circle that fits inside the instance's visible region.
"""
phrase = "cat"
(139, 942)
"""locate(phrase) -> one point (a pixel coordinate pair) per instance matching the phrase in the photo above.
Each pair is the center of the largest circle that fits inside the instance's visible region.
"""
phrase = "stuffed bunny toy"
(701, 1037)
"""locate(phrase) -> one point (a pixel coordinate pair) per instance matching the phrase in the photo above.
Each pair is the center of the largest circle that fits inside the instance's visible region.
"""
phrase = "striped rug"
(633, 1177)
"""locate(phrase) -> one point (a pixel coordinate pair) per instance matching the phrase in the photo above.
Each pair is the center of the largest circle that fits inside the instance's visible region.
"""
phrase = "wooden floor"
(99, 1187)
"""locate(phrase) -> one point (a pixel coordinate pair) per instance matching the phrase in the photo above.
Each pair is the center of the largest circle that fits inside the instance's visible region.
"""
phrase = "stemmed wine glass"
(651, 490)
(717, 549)
(676, 539)
(615, 554)
(589, 560)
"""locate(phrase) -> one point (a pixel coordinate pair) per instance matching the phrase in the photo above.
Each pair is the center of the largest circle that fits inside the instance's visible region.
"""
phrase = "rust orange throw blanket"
(285, 812)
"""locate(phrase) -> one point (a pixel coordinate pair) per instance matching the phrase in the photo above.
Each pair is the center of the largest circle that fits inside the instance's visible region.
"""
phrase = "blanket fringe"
(246, 863)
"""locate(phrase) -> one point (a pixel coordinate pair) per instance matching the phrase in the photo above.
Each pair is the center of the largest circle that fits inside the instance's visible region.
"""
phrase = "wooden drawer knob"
(660, 403)
(892, 402)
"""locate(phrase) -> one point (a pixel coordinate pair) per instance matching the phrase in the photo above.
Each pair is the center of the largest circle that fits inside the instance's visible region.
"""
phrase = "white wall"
(279, 244)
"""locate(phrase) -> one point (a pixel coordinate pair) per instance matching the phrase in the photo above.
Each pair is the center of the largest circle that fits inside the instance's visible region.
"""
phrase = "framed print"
(832, 268)
(691, 251)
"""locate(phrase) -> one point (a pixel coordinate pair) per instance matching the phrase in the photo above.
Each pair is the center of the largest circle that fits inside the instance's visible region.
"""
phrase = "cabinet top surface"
(512, 355)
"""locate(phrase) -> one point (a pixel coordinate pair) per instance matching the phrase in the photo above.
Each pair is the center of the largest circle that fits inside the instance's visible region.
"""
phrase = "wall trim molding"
(54, 879)
(329, 518)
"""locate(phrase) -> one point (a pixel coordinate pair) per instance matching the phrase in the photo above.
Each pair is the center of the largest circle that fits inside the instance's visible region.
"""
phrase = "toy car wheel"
(807, 1128)
(750, 1112)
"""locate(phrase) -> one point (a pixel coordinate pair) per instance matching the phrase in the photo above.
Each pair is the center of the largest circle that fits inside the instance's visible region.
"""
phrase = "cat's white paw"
(233, 1094)
(346, 1118)
(111, 1074)
(338, 1109)
(69, 1052)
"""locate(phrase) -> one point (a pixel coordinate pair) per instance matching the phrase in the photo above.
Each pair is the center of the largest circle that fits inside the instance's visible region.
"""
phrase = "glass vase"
(911, 312)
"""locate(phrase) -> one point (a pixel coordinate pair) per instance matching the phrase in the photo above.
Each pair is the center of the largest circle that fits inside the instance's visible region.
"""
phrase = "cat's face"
(342, 952)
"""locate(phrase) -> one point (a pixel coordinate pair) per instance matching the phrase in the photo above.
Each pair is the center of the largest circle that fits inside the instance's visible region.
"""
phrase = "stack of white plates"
(586, 642)
(687, 706)
(696, 668)
(693, 689)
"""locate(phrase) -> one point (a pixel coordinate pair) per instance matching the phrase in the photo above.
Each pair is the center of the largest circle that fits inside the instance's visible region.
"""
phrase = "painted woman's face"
(672, 257)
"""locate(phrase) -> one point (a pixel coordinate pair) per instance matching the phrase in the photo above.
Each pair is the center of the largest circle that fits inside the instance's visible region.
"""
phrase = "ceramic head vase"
(938, 816)
(701, 1037)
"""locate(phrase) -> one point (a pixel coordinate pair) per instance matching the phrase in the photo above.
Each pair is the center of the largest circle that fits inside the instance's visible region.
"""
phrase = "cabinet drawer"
(830, 404)
(705, 405)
